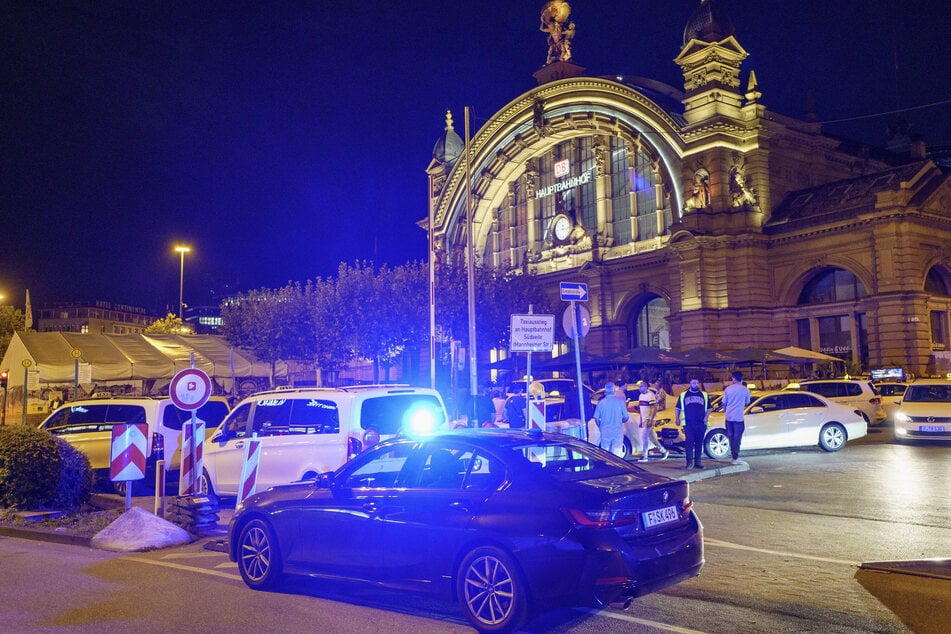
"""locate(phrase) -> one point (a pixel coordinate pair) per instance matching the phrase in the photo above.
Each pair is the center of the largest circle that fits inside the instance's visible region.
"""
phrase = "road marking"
(228, 564)
(716, 542)
(623, 616)
(189, 555)
(168, 564)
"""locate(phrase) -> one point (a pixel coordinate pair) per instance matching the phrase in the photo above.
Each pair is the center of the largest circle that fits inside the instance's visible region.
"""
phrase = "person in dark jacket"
(694, 406)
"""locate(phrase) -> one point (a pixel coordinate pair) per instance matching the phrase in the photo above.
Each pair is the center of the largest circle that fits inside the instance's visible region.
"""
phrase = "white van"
(308, 431)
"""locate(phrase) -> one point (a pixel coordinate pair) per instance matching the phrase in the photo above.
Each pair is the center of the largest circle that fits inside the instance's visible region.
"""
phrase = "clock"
(561, 227)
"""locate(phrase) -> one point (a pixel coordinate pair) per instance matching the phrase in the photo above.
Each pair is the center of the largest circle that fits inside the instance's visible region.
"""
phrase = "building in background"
(96, 318)
(699, 217)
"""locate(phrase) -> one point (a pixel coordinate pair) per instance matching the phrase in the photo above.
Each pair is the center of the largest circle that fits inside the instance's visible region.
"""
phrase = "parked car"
(307, 431)
(785, 418)
(504, 521)
(87, 425)
(891, 394)
(555, 392)
(856, 393)
(924, 412)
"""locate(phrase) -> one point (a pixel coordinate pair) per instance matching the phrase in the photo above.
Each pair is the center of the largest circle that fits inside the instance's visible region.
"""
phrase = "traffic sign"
(190, 389)
(574, 291)
(532, 333)
(127, 456)
(568, 320)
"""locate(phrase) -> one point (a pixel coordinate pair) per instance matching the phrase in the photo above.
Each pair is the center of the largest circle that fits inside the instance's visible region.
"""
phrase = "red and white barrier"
(189, 474)
(249, 470)
(536, 414)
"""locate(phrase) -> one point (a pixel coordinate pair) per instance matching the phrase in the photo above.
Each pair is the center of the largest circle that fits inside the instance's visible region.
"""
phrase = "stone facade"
(698, 217)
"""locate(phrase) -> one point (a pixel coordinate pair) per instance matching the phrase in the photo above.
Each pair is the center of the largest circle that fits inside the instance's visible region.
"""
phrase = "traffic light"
(3, 379)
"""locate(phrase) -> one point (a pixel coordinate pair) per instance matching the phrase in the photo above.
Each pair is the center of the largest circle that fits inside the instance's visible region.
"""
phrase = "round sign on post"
(190, 389)
(568, 320)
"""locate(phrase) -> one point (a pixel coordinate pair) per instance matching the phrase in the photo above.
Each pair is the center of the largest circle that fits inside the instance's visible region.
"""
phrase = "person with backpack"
(694, 406)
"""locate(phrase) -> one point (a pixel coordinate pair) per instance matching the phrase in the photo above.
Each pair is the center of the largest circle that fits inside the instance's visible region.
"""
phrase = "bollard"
(160, 488)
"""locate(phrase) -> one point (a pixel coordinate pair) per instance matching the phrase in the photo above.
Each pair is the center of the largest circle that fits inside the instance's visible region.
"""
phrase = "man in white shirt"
(736, 397)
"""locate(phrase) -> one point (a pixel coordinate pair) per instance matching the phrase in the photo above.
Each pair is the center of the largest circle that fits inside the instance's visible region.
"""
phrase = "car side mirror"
(325, 480)
(757, 410)
(221, 435)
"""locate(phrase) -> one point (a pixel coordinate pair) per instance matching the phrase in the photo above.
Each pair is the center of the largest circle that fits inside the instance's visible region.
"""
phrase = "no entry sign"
(190, 389)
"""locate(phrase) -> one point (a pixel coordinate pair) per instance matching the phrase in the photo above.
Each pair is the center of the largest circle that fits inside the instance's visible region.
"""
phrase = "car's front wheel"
(491, 592)
(259, 556)
(832, 437)
(205, 488)
(717, 444)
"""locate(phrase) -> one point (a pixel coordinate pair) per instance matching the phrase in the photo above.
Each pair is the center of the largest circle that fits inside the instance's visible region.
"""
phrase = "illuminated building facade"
(698, 217)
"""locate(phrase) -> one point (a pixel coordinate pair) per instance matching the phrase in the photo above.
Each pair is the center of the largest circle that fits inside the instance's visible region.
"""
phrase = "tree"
(11, 320)
(170, 324)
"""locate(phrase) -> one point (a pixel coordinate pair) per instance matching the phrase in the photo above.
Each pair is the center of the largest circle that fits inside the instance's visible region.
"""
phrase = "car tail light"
(353, 448)
(687, 505)
(371, 437)
(875, 400)
(599, 518)
(859, 413)
(158, 446)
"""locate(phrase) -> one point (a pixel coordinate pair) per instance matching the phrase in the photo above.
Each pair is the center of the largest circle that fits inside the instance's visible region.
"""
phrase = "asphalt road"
(785, 542)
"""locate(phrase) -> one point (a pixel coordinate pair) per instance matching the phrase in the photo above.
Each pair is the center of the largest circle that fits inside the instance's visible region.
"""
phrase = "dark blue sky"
(281, 138)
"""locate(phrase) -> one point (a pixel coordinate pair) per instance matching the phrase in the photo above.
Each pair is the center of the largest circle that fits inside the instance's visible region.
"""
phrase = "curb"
(41, 535)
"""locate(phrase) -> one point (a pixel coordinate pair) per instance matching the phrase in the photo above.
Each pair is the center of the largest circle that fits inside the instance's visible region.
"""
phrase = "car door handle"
(239, 444)
(459, 506)
(370, 507)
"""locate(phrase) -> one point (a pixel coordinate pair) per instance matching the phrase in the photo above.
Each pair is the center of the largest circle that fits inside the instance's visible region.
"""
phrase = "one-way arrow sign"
(574, 292)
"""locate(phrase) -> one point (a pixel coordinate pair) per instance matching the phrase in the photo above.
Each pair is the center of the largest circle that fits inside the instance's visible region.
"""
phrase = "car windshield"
(564, 461)
(928, 394)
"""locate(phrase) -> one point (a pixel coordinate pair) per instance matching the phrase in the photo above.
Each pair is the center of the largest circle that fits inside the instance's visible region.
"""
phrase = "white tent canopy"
(806, 355)
(127, 357)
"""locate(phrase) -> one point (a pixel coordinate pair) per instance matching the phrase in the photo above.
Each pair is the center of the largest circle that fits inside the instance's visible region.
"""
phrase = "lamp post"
(182, 250)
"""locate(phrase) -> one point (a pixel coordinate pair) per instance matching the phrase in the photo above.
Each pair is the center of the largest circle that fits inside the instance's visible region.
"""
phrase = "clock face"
(562, 227)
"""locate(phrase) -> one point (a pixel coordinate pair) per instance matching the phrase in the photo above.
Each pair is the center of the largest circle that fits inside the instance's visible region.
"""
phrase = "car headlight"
(901, 417)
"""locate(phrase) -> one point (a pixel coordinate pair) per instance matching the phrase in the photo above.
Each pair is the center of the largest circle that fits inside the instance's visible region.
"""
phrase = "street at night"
(784, 545)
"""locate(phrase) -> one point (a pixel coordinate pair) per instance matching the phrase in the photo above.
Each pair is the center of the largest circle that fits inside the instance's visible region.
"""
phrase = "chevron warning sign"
(536, 414)
(129, 444)
(249, 470)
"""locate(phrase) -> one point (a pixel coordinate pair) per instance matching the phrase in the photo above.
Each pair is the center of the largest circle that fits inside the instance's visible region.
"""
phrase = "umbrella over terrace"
(803, 356)
(647, 356)
(706, 357)
(567, 362)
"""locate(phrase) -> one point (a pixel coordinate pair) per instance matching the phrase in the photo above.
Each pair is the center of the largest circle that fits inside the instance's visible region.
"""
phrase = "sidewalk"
(673, 468)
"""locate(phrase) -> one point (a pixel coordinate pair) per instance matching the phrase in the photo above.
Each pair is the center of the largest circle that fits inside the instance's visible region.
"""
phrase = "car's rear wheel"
(717, 444)
(491, 592)
(259, 556)
(832, 437)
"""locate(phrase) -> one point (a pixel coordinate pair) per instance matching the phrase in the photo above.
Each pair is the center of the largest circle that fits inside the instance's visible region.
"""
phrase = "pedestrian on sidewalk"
(694, 407)
(610, 414)
(647, 409)
(735, 399)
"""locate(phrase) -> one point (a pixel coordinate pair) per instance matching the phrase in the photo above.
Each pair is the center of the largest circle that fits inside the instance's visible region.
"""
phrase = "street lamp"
(182, 250)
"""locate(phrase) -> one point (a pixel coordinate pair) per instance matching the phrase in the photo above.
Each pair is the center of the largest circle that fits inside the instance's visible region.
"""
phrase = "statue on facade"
(554, 21)
(740, 193)
(701, 191)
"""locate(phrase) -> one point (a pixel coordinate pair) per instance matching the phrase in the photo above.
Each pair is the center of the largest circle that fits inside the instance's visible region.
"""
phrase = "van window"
(387, 414)
(211, 413)
(279, 416)
(78, 419)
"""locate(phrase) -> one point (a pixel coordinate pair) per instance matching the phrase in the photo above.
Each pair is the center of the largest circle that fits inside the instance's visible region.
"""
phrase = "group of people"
(692, 411)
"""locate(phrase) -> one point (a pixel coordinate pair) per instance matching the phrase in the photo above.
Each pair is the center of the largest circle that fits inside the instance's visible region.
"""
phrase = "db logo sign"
(190, 389)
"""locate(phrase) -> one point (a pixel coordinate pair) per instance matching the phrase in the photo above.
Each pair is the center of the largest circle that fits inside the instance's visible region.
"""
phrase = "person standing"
(647, 409)
(735, 399)
(610, 414)
(694, 406)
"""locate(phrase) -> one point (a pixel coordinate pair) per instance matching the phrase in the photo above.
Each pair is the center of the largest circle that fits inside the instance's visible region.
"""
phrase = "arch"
(573, 108)
(790, 290)
(646, 319)
(830, 285)
(938, 280)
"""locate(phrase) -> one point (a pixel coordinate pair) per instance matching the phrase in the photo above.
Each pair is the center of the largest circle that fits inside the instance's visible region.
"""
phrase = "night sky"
(278, 139)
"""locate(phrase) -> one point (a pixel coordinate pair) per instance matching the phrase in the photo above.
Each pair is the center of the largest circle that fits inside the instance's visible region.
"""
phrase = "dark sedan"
(503, 521)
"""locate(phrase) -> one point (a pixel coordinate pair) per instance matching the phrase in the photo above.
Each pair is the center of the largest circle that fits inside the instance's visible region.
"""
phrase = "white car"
(776, 420)
(308, 431)
(924, 411)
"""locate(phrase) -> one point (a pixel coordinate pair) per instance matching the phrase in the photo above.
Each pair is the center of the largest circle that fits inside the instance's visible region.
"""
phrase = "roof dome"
(449, 146)
(709, 23)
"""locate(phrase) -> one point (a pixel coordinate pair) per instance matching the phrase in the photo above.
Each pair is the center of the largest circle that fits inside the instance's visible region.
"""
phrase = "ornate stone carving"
(741, 195)
(600, 157)
(700, 199)
(554, 22)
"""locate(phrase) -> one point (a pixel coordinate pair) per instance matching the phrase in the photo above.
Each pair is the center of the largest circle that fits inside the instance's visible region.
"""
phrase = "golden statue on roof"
(554, 20)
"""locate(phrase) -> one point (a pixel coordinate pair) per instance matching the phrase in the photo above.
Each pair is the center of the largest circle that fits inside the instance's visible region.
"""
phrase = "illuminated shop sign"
(562, 168)
(564, 185)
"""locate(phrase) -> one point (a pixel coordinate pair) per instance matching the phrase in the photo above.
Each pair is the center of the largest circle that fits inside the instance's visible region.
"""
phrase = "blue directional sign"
(574, 292)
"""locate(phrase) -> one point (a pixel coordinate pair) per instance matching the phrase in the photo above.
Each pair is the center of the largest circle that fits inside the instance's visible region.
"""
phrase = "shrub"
(29, 467)
(75, 477)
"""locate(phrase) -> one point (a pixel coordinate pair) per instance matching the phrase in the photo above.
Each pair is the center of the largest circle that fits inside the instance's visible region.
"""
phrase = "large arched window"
(935, 282)
(832, 285)
(649, 326)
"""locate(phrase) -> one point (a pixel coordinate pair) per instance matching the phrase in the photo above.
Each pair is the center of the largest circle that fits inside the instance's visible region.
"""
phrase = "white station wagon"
(776, 420)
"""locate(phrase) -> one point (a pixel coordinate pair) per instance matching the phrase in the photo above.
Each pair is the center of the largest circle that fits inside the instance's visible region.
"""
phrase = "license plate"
(936, 428)
(661, 516)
